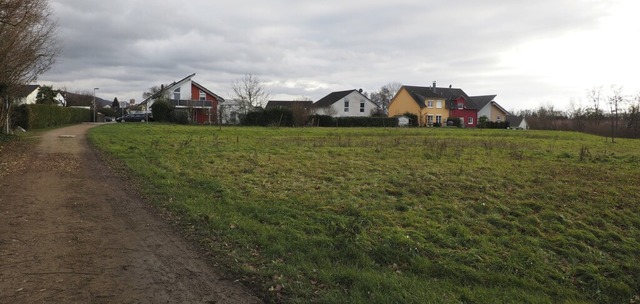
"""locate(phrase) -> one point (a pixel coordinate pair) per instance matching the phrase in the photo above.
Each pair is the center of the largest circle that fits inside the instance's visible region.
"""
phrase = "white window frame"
(202, 95)
(439, 119)
(439, 104)
(430, 104)
(429, 120)
(176, 94)
(470, 120)
(362, 107)
(460, 105)
(346, 105)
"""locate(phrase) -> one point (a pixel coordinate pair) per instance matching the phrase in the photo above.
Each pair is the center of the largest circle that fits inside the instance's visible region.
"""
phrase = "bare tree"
(595, 96)
(615, 102)
(250, 92)
(383, 96)
(301, 109)
(157, 92)
(28, 46)
(633, 116)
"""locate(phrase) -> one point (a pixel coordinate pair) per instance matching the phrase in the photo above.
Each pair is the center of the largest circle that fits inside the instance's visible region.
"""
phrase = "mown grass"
(401, 215)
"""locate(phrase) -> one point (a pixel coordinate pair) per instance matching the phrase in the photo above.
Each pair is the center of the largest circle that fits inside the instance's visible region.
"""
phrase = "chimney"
(434, 86)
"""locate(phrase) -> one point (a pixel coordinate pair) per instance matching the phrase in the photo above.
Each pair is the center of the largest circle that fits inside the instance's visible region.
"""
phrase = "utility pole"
(94, 104)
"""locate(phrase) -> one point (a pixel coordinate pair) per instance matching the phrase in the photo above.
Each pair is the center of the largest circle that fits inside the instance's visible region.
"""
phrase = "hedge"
(272, 117)
(328, 121)
(495, 125)
(38, 116)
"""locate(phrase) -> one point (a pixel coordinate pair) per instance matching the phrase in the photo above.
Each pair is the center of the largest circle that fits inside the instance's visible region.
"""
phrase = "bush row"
(38, 116)
(494, 125)
(271, 117)
(328, 121)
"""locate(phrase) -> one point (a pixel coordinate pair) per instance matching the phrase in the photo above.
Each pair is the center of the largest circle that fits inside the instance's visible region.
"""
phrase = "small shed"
(403, 121)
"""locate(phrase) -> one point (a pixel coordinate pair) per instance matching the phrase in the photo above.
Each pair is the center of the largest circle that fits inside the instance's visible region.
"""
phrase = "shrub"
(413, 119)
(107, 112)
(454, 121)
(270, 117)
(20, 117)
(161, 110)
(321, 121)
(483, 121)
(180, 117)
(40, 116)
(366, 122)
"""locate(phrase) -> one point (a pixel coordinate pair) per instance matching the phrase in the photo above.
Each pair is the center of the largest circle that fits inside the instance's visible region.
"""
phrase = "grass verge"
(400, 215)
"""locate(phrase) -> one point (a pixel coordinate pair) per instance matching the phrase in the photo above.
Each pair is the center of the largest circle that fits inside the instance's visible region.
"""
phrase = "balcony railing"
(191, 103)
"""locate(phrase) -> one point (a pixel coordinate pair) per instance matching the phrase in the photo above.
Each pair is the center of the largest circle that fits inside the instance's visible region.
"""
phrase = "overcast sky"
(529, 53)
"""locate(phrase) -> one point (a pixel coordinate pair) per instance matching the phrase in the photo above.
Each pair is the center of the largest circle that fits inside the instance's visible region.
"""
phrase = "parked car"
(133, 118)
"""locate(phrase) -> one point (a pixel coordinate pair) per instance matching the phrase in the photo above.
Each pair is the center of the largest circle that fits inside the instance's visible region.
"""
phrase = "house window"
(460, 105)
(346, 106)
(439, 104)
(470, 120)
(498, 118)
(429, 103)
(362, 107)
(439, 119)
(429, 120)
(203, 95)
(176, 94)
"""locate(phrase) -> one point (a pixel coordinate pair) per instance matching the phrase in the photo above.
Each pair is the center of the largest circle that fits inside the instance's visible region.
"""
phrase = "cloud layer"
(520, 50)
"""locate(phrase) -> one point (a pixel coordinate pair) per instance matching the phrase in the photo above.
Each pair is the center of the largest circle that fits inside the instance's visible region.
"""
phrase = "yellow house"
(429, 106)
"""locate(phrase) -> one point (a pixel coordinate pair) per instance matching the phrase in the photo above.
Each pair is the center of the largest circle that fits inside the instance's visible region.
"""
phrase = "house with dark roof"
(289, 104)
(428, 103)
(28, 94)
(517, 122)
(300, 109)
(190, 96)
(348, 103)
(487, 106)
(434, 105)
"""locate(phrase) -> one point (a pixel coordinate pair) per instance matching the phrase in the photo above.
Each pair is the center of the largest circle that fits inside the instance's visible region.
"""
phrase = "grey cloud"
(130, 45)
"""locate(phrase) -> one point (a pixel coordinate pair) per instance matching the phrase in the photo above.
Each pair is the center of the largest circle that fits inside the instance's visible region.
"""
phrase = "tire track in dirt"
(70, 233)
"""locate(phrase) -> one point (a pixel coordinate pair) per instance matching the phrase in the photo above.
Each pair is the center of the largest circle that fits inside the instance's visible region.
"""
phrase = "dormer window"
(176, 94)
(460, 105)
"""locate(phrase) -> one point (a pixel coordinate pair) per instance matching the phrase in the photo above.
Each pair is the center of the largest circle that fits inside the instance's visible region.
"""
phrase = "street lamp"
(94, 104)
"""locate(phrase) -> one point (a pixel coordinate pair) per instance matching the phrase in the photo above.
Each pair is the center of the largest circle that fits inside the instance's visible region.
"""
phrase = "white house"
(29, 93)
(187, 95)
(345, 104)
(488, 107)
(517, 122)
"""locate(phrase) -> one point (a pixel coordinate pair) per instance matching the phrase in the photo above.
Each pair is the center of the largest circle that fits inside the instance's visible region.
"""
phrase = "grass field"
(400, 215)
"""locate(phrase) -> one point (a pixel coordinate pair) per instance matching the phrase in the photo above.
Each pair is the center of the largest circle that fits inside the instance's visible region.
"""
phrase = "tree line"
(608, 113)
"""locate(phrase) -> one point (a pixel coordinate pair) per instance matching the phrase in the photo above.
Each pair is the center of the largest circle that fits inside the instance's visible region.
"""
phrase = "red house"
(191, 97)
(460, 105)
(465, 109)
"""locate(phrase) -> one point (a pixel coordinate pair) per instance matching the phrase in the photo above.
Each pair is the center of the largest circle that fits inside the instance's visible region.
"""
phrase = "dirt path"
(69, 233)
